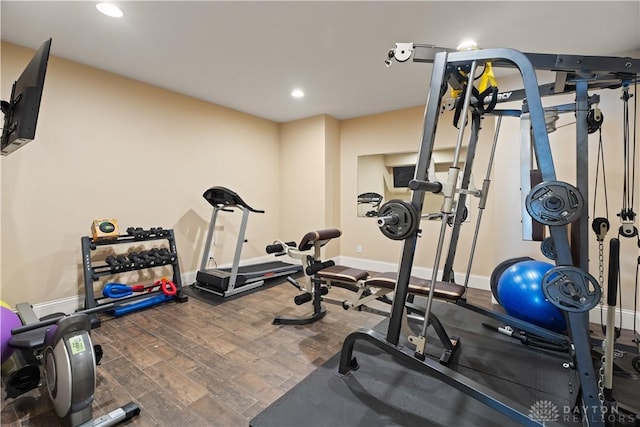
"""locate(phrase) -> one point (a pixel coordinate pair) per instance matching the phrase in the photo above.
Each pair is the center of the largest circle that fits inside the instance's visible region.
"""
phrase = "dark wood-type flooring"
(194, 364)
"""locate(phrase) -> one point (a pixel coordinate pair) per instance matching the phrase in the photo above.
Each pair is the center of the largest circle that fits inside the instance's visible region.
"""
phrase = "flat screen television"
(21, 111)
(402, 175)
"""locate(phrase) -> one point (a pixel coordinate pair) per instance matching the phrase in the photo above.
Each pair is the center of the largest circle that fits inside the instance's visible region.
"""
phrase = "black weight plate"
(568, 288)
(405, 219)
(554, 203)
(548, 249)
(415, 217)
(636, 363)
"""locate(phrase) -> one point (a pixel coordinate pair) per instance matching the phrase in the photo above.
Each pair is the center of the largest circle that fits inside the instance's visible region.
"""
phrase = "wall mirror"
(385, 176)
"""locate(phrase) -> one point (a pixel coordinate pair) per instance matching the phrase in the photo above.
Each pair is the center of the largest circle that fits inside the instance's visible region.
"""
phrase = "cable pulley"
(571, 289)
(594, 120)
(398, 219)
(554, 203)
(601, 227)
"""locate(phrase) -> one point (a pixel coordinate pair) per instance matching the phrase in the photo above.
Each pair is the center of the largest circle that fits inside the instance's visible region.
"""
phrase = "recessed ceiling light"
(467, 45)
(110, 10)
(297, 93)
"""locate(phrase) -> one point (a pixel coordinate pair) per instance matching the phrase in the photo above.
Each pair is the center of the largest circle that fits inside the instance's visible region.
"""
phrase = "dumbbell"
(170, 255)
(138, 233)
(158, 231)
(137, 260)
(149, 259)
(114, 264)
(124, 262)
(160, 258)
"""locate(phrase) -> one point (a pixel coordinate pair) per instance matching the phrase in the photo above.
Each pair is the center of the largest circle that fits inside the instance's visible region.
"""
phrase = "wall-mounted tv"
(21, 111)
(402, 175)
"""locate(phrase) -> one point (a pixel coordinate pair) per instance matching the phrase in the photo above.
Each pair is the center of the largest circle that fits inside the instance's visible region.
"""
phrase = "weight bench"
(376, 288)
(309, 253)
(384, 283)
(323, 275)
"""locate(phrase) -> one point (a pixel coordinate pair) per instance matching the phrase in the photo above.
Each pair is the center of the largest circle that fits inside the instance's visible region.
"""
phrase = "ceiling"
(250, 55)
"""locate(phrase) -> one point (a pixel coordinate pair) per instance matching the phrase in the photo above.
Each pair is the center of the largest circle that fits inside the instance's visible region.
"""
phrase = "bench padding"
(340, 273)
(444, 290)
(322, 236)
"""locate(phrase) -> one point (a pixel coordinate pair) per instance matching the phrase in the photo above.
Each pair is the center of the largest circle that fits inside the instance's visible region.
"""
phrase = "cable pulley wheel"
(554, 203)
(594, 121)
(548, 249)
(571, 289)
(398, 220)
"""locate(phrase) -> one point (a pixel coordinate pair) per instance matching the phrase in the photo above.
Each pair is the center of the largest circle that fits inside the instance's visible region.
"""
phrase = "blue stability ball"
(520, 293)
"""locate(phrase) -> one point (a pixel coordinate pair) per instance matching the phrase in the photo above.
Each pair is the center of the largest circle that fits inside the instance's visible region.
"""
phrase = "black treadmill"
(226, 282)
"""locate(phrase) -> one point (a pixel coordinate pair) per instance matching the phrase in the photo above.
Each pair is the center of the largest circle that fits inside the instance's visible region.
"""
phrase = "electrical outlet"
(359, 248)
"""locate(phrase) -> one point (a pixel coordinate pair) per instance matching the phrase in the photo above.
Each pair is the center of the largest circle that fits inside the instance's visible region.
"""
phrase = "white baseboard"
(72, 304)
(483, 282)
(65, 305)
(624, 315)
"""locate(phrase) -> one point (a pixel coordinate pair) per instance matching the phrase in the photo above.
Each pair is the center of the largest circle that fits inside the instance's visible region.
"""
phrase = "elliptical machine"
(62, 347)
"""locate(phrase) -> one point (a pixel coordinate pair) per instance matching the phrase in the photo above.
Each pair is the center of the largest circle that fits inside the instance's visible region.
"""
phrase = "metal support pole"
(207, 246)
(432, 112)
(447, 271)
(580, 228)
(239, 245)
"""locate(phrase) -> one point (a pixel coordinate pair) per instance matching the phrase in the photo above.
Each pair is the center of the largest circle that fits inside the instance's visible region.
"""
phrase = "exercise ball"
(4, 304)
(520, 294)
(8, 321)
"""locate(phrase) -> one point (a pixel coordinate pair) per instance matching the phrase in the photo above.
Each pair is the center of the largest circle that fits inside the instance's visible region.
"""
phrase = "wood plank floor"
(194, 364)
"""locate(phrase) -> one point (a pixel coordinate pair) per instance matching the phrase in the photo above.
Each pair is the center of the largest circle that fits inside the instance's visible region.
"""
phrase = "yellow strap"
(487, 79)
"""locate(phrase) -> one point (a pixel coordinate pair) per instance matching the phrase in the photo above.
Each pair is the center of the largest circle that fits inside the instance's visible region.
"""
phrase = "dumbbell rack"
(93, 272)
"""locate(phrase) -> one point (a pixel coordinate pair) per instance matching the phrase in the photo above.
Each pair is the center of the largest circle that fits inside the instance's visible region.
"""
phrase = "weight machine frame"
(580, 70)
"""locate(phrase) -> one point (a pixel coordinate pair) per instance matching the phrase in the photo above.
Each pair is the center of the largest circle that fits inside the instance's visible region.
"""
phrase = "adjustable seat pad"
(340, 273)
(322, 236)
(444, 290)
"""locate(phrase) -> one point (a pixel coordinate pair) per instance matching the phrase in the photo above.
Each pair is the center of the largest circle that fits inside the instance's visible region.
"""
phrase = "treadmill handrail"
(222, 196)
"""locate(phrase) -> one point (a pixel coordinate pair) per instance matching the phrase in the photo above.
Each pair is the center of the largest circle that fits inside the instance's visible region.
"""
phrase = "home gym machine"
(553, 203)
(226, 282)
(61, 346)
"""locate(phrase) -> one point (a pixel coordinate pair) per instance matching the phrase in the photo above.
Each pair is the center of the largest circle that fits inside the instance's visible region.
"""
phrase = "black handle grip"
(272, 249)
(302, 298)
(614, 269)
(313, 269)
(277, 247)
(54, 320)
(130, 410)
(419, 185)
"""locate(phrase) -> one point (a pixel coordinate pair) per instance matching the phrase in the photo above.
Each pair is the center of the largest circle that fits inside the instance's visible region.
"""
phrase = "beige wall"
(310, 178)
(302, 145)
(398, 132)
(332, 180)
(111, 147)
